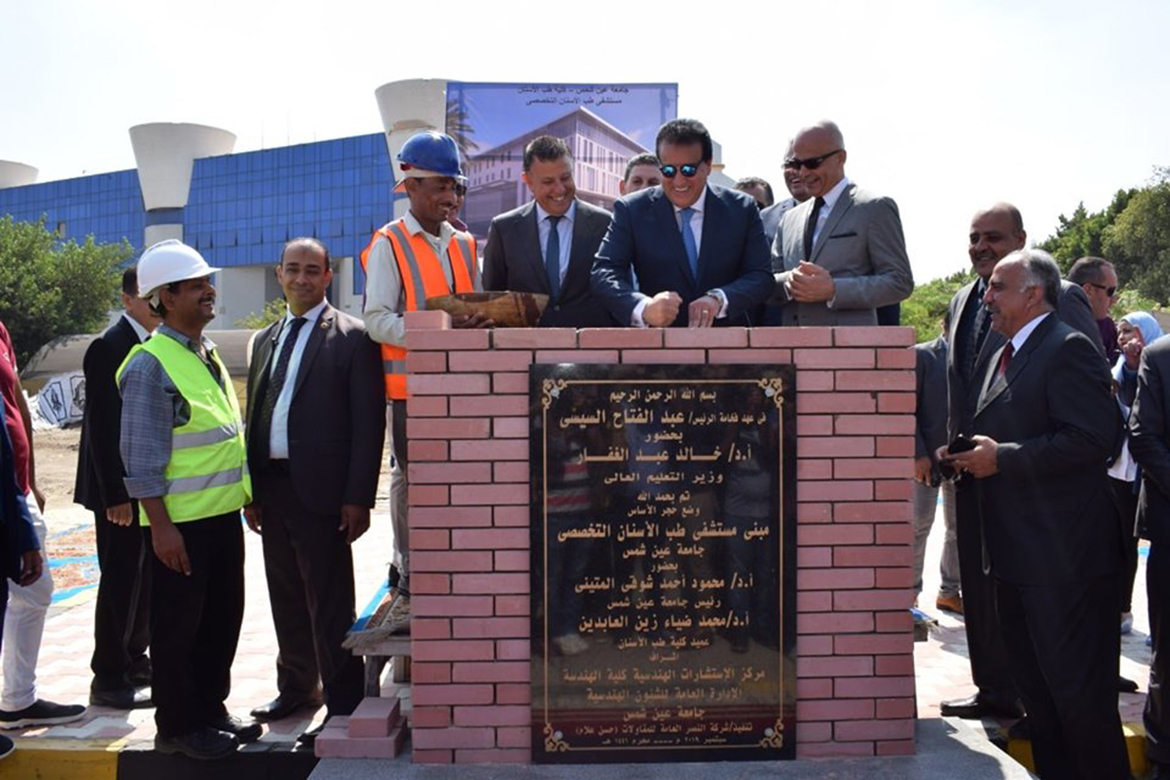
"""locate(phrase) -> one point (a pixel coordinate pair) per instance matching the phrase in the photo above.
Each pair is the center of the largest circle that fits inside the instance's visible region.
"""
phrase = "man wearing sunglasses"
(1096, 276)
(771, 215)
(698, 250)
(841, 254)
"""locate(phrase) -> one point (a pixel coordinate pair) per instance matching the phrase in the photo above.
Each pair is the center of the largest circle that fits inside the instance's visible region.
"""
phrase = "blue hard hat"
(431, 151)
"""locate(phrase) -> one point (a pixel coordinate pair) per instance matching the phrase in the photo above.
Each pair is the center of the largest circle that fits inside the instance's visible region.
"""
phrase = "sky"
(945, 106)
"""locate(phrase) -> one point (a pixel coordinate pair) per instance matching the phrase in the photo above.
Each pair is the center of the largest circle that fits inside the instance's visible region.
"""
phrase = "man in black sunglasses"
(1097, 277)
(698, 250)
(840, 255)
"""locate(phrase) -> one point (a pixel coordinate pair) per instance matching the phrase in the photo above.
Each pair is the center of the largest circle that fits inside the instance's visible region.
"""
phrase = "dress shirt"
(152, 408)
(564, 234)
(697, 230)
(831, 197)
(142, 333)
(1023, 333)
(830, 200)
(278, 435)
(385, 297)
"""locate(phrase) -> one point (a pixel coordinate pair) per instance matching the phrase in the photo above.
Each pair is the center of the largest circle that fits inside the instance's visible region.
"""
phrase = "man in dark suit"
(840, 255)
(771, 215)
(641, 172)
(121, 626)
(1149, 444)
(930, 433)
(1044, 427)
(698, 250)
(995, 233)
(547, 245)
(316, 424)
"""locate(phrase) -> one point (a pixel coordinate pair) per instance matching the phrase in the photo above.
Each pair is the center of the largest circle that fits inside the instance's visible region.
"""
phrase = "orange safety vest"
(422, 277)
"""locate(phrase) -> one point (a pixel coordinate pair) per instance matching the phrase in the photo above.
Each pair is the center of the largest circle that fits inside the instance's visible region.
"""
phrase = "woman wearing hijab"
(1135, 331)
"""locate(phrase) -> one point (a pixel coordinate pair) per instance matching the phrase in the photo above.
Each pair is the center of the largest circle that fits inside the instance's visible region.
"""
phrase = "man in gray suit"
(995, 233)
(547, 245)
(840, 255)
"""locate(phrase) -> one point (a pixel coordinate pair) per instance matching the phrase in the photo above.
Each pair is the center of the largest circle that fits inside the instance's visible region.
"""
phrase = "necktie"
(275, 385)
(811, 228)
(978, 333)
(688, 238)
(1005, 361)
(552, 257)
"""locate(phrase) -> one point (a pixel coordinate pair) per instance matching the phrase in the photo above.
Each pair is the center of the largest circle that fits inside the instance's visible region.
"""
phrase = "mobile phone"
(960, 444)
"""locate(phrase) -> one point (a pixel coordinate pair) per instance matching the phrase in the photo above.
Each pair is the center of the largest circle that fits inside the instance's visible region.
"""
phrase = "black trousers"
(195, 625)
(1127, 500)
(990, 669)
(1157, 714)
(309, 567)
(121, 623)
(1064, 644)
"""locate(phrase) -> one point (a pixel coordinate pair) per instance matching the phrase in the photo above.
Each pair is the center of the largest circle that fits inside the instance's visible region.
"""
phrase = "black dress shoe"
(309, 738)
(1126, 685)
(981, 705)
(205, 743)
(283, 706)
(122, 698)
(243, 730)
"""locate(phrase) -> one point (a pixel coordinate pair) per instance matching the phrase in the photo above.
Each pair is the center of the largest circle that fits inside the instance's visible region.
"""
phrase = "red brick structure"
(469, 487)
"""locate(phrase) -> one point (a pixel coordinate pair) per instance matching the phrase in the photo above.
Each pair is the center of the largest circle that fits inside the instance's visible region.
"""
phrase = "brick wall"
(468, 432)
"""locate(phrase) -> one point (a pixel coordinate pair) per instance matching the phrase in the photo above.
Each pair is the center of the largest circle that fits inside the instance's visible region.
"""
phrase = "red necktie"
(1006, 360)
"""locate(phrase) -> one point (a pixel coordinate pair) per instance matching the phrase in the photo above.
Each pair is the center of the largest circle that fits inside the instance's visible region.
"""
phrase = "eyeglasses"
(688, 170)
(1110, 291)
(812, 163)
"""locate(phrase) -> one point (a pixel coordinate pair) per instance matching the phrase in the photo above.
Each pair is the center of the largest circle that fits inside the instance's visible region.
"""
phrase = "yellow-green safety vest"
(207, 474)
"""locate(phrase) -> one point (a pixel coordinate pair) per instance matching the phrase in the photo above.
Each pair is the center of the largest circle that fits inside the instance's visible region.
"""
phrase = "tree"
(1138, 241)
(926, 306)
(1083, 234)
(51, 288)
(273, 311)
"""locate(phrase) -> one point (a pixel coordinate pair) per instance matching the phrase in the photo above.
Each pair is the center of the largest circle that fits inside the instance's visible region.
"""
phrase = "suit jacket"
(644, 235)
(1072, 308)
(930, 415)
(337, 417)
(513, 260)
(861, 245)
(1048, 515)
(18, 535)
(1149, 441)
(99, 485)
(771, 217)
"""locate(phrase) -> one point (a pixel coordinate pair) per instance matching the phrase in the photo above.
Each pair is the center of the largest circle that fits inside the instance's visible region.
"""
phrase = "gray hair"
(1040, 270)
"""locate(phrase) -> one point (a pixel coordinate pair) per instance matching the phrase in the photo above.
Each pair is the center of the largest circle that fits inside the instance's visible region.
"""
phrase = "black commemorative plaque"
(663, 563)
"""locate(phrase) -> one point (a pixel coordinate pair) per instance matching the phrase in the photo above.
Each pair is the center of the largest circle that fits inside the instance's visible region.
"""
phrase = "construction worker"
(182, 444)
(408, 261)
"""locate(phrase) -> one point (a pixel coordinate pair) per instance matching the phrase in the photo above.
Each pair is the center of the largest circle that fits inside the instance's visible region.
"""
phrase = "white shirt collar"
(698, 204)
(1023, 333)
(542, 215)
(311, 315)
(414, 227)
(142, 333)
(832, 195)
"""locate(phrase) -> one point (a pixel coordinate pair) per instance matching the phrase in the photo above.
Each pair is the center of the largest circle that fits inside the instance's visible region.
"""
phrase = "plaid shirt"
(151, 409)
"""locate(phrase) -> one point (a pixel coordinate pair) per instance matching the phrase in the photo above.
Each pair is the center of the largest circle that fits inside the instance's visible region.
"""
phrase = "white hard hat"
(169, 261)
